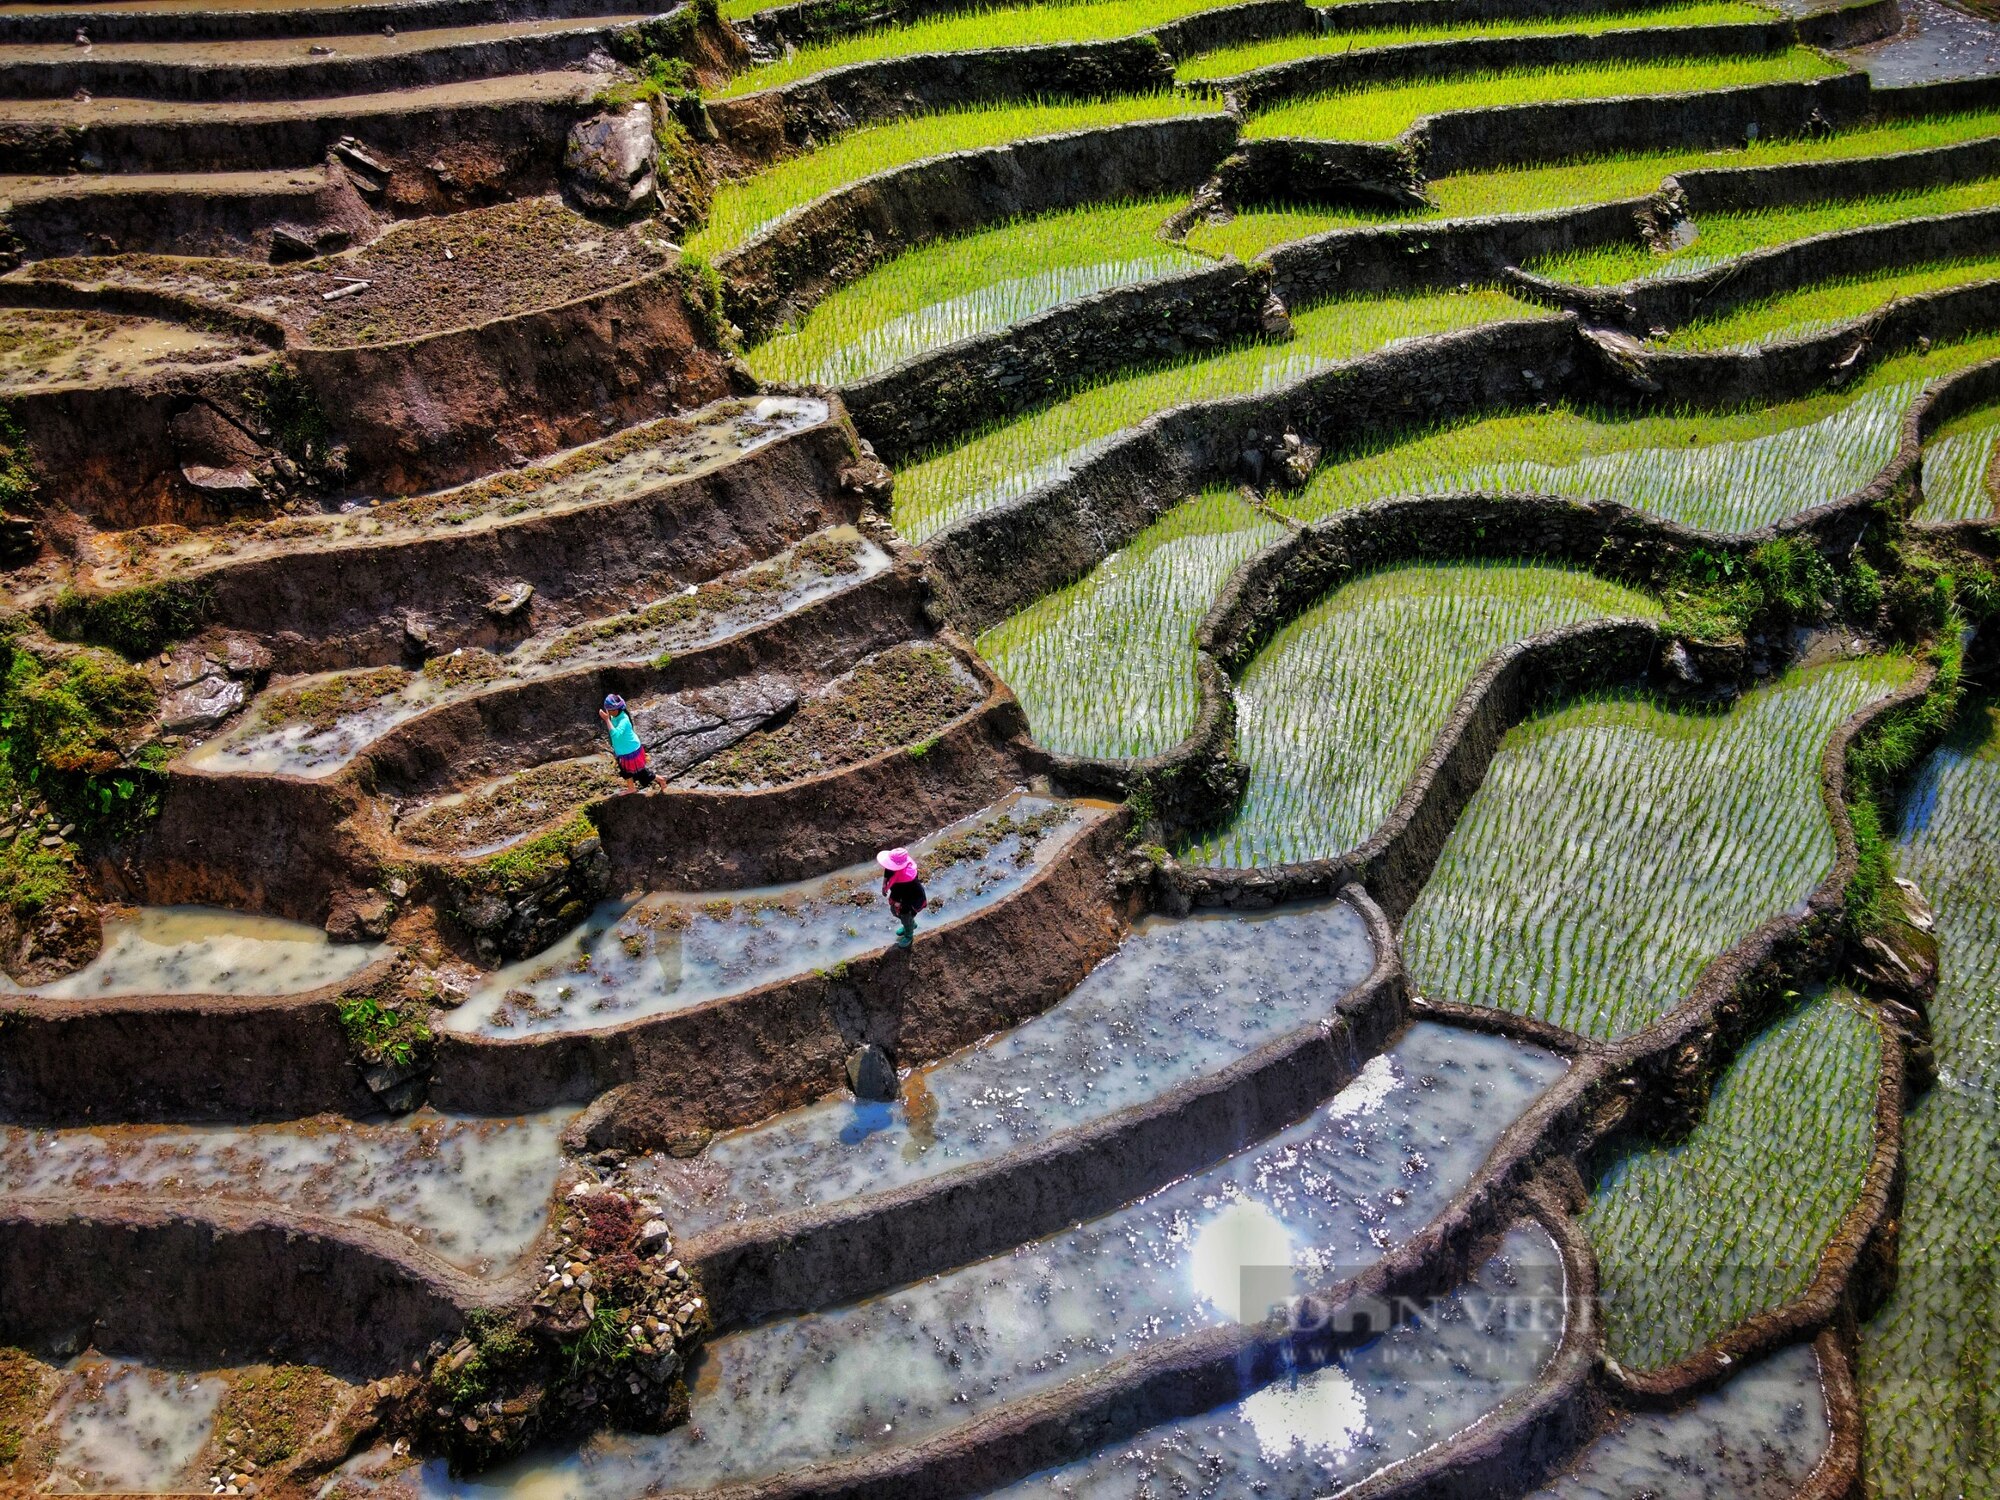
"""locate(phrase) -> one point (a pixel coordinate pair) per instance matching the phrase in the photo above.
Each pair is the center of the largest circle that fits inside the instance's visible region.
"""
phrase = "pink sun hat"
(897, 862)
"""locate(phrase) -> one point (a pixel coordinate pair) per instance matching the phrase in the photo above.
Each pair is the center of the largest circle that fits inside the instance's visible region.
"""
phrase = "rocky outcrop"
(608, 160)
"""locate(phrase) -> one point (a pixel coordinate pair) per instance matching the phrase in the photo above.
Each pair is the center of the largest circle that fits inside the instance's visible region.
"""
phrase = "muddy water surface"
(205, 950)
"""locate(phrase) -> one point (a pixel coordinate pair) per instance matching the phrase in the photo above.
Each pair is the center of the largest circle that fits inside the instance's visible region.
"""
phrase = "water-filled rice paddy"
(1930, 1359)
(1307, 1207)
(1760, 1437)
(974, 284)
(205, 950)
(1106, 666)
(743, 208)
(1180, 1001)
(1015, 457)
(1694, 1239)
(1384, 111)
(1325, 1427)
(1714, 471)
(1228, 62)
(1959, 472)
(1616, 846)
(1721, 237)
(1338, 711)
(1815, 309)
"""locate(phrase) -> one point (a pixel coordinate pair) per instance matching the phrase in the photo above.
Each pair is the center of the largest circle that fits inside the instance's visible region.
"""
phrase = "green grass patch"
(1722, 237)
(1382, 112)
(970, 30)
(1616, 847)
(1228, 62)
(383, 1033)
(1930, 1360)
(1694, 1239)
(1107, 666)
(138, 621)
(1959, 470)
(976, 284)
(1014, 457)
(1815, 309)
(742, 208)
(1339, 710)
(1718, 471)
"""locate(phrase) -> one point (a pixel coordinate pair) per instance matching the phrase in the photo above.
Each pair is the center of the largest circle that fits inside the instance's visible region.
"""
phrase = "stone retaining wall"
(1727, 190)
(783, 271)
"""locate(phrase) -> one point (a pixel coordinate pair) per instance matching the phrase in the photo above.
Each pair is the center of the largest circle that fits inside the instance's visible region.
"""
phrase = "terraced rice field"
(1106, 667)
(1696, 1238)
(1014, 458)
(1348, 872)
(1930, 1363)
(1337, 712)
(1617, 846)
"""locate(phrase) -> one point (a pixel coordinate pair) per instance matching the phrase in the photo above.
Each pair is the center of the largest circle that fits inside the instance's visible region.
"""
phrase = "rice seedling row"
(1725, 236)
(1801, 314)
(1106, 667)
(1230, 62)
(966, 31)
(743, 208)
(1013, 458)
(1694, 1239)
(971, 285)
(1959, 474)
(1716, 471)
(1252, 233)
(1337, 712)
(1383, 112)
(1616, 847)
(1930, 1359)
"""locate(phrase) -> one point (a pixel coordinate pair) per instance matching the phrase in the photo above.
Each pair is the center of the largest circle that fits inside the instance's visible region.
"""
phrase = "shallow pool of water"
(665, 952)
(1757, 1438)
(123, 1426)
(474, 1192)
(1441, 1369)
(1307, 1207)
(205, 950)
(1182, 999)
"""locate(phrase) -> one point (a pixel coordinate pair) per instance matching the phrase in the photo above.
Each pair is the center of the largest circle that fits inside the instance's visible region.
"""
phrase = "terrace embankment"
(783, 270)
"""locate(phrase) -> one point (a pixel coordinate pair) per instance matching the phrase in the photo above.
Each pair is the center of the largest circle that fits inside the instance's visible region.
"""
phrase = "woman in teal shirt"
(626, 747)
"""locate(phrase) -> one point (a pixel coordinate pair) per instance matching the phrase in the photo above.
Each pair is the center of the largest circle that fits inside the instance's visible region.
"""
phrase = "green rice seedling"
(1015, 457)
(1959, 470)
(1384, 111)
(968, 30)
(1724, 236)
(1616, 847)
(1930, 1359)
(1797, 315)
(1694, 1239)
(1229, 62)
(1718, 471)
(1107, 666)
(1606, 179)
(744, 207)
(972, 285)
(1338, 711)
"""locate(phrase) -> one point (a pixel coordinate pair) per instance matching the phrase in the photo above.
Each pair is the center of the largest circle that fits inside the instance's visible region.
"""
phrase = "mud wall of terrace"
(1727, 190)
(167, 1057)
(305, 78)
(764, 126)
(405, 138)
(787, 268)
(208, 24)
(202, 1281)
(990, 565)
(740, 1059)
(175, 220)
(1953, 96)
(346, 606)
